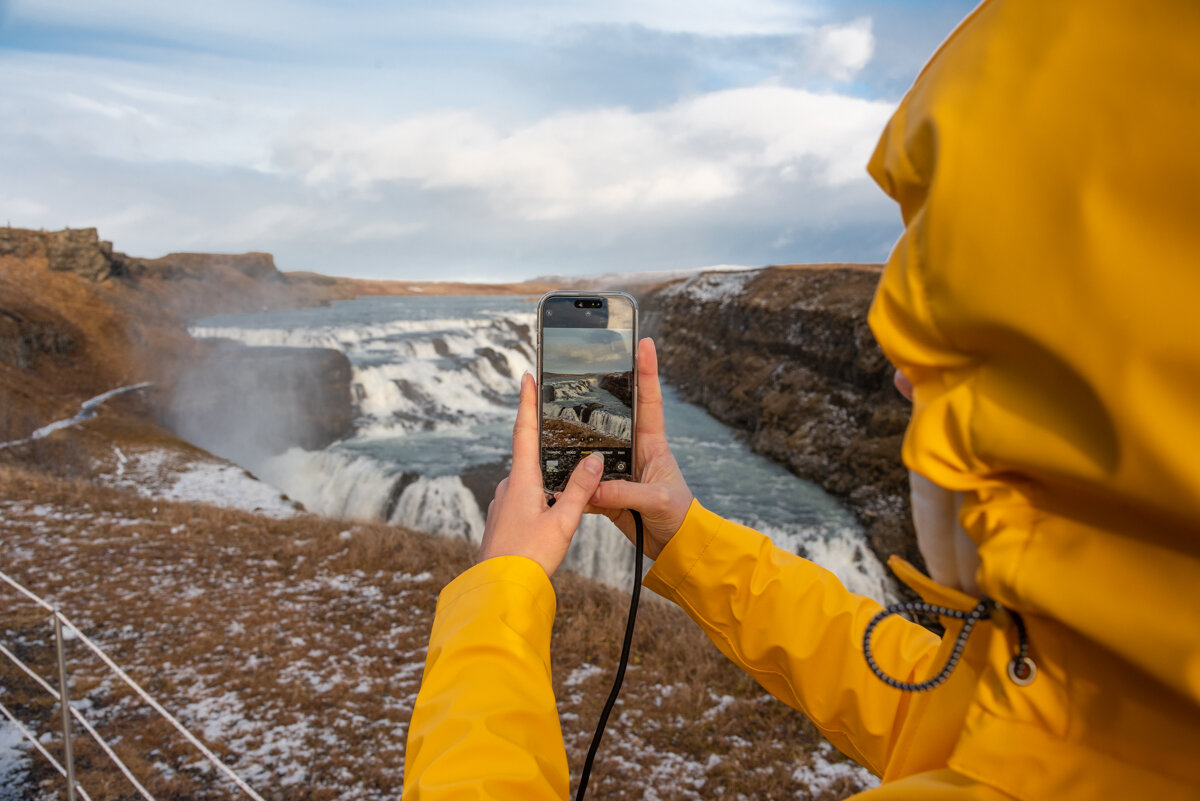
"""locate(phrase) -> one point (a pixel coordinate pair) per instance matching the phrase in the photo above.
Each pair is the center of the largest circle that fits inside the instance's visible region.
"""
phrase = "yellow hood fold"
(1043, 300)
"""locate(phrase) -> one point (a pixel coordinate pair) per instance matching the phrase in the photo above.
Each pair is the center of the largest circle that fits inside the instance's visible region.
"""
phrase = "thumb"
(649, 499)
(584, 480)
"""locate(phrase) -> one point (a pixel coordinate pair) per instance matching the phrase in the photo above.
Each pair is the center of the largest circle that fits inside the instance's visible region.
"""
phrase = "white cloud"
(462, 137)
(314, 23)
(841, 51)
(712, 147)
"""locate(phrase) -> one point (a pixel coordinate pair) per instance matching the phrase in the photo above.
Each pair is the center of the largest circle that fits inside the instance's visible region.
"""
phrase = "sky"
(462, 139)
(578, 351)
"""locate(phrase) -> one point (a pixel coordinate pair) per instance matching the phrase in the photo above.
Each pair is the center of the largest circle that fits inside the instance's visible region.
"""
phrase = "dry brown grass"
(294, 647)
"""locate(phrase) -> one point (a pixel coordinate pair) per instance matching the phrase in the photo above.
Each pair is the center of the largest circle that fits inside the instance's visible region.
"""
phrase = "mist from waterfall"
(435, 383)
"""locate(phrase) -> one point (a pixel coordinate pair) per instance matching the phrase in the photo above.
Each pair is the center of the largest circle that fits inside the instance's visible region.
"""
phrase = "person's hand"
(660, 494)
(519, 521)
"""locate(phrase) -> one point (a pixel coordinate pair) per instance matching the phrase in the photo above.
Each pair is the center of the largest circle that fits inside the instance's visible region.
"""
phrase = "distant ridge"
(638, 280)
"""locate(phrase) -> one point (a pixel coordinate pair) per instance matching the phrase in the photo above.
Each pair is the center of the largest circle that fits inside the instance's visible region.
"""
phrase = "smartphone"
(587, 380)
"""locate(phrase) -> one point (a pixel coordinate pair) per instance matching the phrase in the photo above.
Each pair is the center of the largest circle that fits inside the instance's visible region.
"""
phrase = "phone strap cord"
(1021, 669)
(625, 647)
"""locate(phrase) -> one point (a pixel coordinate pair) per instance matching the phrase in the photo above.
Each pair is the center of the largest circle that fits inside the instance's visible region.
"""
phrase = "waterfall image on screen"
(587, 401)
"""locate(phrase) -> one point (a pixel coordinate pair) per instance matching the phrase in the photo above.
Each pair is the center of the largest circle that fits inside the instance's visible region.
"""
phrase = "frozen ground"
(300, 673)
(14, 761)
(294, 647)
(198, 478)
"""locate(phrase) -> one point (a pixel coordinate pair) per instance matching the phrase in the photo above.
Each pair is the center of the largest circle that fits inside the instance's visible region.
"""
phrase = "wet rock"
(498, 360)
(244, 403)
(619, 385)
(24, 340)
(785, 355)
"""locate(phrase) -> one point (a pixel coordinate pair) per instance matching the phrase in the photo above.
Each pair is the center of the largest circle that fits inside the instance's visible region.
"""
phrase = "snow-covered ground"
(295, 648)
(301, 673)
(14, 761)
(89, 409)
(173, 476)
(712, 287)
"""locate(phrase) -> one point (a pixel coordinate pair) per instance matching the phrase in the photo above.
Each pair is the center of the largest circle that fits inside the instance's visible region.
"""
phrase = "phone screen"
(587, 378)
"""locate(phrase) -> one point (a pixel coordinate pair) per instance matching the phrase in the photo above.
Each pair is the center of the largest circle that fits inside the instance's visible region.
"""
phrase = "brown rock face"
(24, 340)
(80, 251)
(620, 385)
(244, 403)
(199, 266)
(789, 359)
(74, 250)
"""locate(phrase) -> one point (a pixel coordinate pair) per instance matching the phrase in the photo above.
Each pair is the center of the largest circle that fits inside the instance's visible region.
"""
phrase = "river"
(435, 382)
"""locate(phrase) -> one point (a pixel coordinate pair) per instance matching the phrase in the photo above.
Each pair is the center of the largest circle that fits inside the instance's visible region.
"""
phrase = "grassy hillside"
(294, 648)
(292, 644)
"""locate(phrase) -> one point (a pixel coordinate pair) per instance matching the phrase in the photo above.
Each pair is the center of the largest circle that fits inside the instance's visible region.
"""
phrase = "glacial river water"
(435, 382)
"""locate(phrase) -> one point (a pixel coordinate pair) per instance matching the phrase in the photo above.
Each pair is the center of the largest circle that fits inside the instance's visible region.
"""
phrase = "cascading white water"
(331, 482)
(436, 383)
(443, 505)
(572, 389)
(599, 420)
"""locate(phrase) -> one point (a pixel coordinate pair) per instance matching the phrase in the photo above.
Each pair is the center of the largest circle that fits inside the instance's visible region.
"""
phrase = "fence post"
(68, 756)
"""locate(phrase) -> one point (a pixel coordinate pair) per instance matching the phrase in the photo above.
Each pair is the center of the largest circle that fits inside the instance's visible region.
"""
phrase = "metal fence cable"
(5, 578)
(159, 709)
(31, 737)
(62, 619)
(29, 672)
(75, 713)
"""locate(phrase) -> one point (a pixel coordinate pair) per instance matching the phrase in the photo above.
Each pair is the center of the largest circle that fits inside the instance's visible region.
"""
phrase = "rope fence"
(69, 712)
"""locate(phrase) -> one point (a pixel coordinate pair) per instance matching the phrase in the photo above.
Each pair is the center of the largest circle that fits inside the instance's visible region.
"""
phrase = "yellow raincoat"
(1047, 166)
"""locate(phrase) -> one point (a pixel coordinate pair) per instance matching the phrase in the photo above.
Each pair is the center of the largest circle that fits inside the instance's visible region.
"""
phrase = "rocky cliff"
(244, 403)
(785, 355)
(78, 319)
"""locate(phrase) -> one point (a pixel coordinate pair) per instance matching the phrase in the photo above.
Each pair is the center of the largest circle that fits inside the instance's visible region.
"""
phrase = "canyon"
(783, 354)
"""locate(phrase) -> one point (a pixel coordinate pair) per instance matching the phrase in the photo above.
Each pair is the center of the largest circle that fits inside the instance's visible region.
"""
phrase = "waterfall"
(601, 421)
(442, 506)
(436, 382)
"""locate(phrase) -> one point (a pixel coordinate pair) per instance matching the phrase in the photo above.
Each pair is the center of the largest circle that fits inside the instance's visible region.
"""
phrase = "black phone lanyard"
(625, 646)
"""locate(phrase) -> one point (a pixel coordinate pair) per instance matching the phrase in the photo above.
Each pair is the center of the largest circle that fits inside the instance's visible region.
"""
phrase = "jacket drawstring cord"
(1021, 669)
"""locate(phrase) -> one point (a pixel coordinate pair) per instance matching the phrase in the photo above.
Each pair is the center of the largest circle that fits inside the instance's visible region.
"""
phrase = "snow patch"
(87, 411)
(582, 673)
(14, 762)
(170, 476)
(712, 287)
(820, 775)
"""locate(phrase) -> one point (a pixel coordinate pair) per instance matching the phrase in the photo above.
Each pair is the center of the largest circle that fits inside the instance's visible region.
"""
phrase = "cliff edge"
(78, 319)
(785, 355)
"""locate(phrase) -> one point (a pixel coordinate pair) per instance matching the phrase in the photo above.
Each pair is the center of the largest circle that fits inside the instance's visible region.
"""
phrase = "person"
(1040, 305)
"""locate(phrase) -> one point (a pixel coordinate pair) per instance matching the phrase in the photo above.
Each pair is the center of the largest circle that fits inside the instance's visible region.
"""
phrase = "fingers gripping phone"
(587, 380)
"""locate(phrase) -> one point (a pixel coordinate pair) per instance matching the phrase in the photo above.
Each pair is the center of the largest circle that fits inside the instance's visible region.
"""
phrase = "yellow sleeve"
(792, 626)
(485, 724)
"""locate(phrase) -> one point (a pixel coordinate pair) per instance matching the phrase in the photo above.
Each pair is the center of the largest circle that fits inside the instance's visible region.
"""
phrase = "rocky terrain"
(785, 355)
(78, 319)
(619, 385)
(245, 402)
(291, 644)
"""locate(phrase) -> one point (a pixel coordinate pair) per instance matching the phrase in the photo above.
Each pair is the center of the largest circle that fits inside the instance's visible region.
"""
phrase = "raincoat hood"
(1042, 301)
